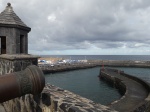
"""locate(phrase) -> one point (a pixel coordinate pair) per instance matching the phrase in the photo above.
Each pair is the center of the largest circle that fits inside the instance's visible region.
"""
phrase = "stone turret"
(14, 42)
(13, 33)
(14, 50)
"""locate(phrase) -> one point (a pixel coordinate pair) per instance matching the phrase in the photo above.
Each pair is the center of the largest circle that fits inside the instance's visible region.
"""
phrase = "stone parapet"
(55, 99)
(60, 100)
(18, 56)
(14, 63)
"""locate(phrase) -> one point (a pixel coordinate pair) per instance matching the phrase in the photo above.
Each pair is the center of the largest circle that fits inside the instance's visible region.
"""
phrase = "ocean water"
(86, 83)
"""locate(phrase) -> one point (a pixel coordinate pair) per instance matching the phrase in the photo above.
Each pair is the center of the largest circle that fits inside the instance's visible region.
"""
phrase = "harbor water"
(86, 83)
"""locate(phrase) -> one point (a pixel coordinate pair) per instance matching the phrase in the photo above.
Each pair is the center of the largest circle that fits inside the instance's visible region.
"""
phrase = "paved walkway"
(136, 94)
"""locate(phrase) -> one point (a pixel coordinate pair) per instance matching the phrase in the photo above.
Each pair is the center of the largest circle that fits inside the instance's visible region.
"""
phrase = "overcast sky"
(95, 27)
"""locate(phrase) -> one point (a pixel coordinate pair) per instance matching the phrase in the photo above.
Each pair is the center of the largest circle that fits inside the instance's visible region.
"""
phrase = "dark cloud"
(85, 24)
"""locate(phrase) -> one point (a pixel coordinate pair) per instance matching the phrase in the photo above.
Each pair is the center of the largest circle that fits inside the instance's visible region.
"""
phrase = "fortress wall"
(9, 66)
(14, 63)
(55, 99)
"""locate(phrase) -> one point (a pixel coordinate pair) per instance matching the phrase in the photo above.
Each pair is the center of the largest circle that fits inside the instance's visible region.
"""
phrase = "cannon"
(29, 81)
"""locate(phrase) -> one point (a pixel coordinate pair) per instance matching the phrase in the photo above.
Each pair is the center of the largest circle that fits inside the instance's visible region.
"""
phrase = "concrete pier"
(67, 67)
(47, 68)
(136, 92)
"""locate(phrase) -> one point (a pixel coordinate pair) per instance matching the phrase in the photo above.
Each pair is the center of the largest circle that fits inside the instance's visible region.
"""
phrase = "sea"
(86, 83)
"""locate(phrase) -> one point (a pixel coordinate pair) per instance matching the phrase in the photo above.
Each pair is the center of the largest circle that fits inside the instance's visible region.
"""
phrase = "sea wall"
(48, 68)
(116, 82)
(124, 88)
(144, 106)
(121, 63)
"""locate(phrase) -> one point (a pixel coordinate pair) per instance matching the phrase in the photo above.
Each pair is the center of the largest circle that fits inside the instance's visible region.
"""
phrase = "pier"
(66, 67)
(52, 68)
(135, 91)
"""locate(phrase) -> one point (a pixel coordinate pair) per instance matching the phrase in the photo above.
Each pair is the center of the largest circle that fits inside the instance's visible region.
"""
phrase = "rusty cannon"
(29, 81)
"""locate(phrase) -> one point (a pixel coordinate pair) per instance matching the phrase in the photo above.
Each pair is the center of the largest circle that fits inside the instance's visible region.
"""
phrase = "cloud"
(62, 25)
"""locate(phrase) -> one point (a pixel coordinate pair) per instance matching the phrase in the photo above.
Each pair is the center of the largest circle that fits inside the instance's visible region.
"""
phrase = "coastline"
(94, 63)
(49, 68)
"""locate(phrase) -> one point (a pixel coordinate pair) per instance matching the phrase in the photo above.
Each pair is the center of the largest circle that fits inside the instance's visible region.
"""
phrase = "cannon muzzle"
(29, 81)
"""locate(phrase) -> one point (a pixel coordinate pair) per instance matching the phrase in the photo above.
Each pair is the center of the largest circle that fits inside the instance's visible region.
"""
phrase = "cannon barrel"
(29, 81)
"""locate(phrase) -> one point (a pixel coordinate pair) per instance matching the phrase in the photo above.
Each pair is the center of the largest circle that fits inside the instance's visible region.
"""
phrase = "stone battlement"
(59, 100)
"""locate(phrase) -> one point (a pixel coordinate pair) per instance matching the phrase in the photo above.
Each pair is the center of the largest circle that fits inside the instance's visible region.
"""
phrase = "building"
(13, 33)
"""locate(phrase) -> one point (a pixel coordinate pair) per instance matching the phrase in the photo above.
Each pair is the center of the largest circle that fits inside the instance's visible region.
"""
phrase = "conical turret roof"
(9, 18)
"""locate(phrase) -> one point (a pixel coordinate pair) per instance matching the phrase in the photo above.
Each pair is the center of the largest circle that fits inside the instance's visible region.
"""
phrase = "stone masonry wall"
(9, 65)
(55, 99)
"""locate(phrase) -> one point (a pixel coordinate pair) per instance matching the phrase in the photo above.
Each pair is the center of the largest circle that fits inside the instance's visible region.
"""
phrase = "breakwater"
(64, 67)
(136, 97)
(121, 63)
(47, 68)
